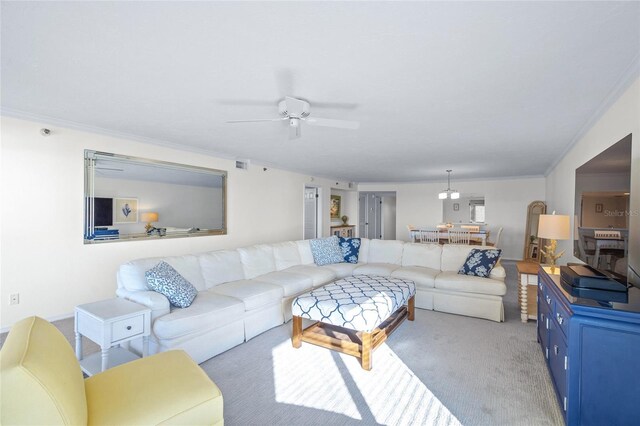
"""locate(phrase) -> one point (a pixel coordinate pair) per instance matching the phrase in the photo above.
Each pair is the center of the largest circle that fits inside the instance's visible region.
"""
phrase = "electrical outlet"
(14, 299)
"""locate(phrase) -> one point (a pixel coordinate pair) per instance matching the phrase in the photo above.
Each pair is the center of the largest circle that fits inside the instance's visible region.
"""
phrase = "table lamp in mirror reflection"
(553, 227)
(149, 217)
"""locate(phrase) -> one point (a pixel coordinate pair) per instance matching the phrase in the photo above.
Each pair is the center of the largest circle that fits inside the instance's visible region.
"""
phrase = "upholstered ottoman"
(354, 315)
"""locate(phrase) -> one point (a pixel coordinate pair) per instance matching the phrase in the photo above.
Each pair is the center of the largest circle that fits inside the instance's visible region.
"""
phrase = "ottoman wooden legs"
(296, 338)
(351, 342)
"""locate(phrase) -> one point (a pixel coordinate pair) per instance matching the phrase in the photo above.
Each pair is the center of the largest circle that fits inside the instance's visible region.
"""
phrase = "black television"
(605, 233)
(103, 211)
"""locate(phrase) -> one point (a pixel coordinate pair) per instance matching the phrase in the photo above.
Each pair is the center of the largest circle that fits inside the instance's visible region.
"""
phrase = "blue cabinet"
(592, 350)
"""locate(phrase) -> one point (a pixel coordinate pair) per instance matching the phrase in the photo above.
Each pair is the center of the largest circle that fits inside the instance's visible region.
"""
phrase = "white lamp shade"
(455, 195)
(554, 227)
(149, 217)
(442, 195)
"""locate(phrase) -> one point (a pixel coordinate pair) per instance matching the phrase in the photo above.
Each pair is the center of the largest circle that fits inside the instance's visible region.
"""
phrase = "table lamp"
(149, 217)
(553, 227)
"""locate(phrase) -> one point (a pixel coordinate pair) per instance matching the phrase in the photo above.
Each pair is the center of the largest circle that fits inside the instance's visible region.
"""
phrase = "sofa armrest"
(498, 273)
(157, 302)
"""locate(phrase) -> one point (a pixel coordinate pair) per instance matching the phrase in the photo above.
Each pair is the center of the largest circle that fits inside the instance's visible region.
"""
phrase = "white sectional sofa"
(244, 292)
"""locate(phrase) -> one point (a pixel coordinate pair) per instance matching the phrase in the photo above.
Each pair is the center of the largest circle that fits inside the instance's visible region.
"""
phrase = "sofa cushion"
(257, 260)
(479, 263)
(326, 250)
(426, 255)
(385, 251)
(342, 269)
(469, 284)
(286, 255)
(220, 267)
(306, 257)
(454, 256)
(290, 282)
(423, 277)
(167, 281)
(254, 294)
(382, 269)
(208, 311)
(350, 249)
(363, 254)
(131, 274)
(319, 274)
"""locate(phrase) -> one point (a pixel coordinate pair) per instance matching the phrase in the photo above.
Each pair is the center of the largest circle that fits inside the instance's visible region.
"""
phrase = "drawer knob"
(548, 300)
(559, 318)
(128, 327)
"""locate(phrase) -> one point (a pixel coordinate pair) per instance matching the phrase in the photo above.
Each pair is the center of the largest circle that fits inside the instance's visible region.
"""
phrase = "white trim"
(50, 319)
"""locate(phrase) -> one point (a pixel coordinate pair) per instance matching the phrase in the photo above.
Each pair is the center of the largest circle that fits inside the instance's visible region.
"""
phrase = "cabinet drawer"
(561, 315)
(127, 328)
(558, 363)
(543, 327)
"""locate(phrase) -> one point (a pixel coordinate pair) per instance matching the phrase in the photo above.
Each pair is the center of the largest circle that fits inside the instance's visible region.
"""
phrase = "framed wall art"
(125, 210)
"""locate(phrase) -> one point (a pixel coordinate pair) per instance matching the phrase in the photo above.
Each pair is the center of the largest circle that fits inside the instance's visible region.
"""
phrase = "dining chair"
(457, 236)
(429, 236)
(495, 244)
(413, 233)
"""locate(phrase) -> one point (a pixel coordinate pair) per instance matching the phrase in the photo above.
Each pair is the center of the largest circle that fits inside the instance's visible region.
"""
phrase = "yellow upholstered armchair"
(41, 383)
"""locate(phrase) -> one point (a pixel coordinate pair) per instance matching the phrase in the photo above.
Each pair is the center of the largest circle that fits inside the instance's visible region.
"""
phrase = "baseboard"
(50, 319)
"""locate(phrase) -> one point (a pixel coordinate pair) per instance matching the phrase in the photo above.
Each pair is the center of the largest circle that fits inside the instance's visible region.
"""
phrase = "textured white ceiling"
(488, 89)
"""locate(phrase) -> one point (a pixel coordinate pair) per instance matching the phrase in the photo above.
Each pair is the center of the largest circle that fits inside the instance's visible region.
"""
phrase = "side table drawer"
(127, 328)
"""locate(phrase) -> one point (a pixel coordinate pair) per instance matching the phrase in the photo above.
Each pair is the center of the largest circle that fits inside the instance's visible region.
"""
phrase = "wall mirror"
(468, 209)
(129, 198)
(533, 244)
(602, 209)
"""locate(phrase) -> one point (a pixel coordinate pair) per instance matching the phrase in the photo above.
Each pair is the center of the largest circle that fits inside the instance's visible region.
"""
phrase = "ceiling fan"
(297, 111)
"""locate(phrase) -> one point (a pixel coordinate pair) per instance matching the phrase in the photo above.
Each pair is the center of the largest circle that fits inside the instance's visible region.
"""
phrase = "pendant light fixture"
(449, 193)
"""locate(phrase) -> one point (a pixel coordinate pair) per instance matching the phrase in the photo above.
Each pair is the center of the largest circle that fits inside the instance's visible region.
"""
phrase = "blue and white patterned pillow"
(167, 281)
(326, 251)
(479, 263)
(350, 249)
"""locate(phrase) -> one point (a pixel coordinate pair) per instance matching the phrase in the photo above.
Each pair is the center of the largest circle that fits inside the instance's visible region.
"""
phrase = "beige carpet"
(441, 369)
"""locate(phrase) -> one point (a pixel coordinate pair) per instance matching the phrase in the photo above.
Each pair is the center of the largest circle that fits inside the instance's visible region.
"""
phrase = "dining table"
(475, 236)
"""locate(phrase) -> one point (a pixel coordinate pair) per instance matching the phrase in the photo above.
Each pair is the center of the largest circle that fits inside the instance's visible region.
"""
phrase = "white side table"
(110, 323)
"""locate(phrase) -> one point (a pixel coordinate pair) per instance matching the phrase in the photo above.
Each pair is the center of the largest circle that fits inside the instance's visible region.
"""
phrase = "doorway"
(377, 215)
(311, 211)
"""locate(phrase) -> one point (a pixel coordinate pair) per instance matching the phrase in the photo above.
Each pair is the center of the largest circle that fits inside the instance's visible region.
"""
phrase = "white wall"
(620, 120)
(506, 204)
(43, 255)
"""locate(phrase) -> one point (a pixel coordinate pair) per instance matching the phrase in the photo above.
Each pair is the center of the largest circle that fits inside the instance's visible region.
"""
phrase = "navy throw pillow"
(350, 249)
(479, 262)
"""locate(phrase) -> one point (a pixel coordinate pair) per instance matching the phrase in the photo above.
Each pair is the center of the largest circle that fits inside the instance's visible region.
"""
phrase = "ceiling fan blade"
(339, 105)
(256, 120)
(330, 122)
(284, 81)
(243, 102)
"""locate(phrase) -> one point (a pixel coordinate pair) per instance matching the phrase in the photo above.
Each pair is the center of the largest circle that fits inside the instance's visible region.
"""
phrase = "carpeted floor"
(440, 369)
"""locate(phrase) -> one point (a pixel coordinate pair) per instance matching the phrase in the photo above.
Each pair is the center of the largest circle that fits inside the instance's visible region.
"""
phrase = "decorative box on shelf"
(344, 231)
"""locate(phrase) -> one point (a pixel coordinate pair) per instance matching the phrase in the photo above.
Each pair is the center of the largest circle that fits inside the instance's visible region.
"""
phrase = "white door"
(310, 213)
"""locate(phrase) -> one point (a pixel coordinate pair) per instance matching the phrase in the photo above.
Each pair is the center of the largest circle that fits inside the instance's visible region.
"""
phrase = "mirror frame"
(526, 256)
(89, 196)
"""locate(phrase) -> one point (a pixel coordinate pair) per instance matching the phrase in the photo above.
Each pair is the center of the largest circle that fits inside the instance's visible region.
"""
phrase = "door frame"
(319, 204)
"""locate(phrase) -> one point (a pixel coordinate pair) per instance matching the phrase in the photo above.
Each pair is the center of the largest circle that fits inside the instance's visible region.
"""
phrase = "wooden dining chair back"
(429, 236)
(457, 236)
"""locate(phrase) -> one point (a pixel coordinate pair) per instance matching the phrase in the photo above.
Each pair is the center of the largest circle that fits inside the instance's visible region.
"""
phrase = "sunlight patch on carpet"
(322, 379)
